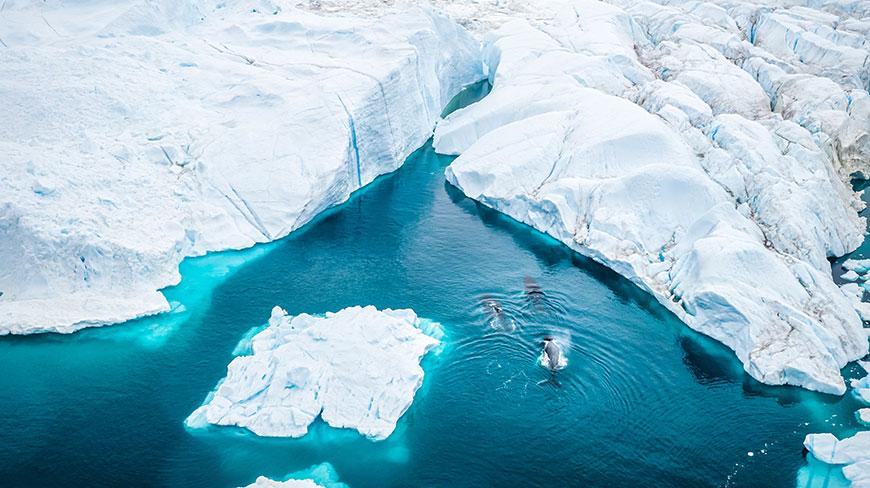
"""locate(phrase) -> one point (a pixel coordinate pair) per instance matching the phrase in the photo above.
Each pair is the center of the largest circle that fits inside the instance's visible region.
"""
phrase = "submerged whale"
(533, 290)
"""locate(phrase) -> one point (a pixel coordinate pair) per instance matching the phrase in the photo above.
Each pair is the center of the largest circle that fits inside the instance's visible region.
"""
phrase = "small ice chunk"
(859, 266)
(850, 275)
(826, 448)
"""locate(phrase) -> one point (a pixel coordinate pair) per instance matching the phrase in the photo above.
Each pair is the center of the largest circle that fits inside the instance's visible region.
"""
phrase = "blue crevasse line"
(752, 33)
(353, 141)
(713, 134)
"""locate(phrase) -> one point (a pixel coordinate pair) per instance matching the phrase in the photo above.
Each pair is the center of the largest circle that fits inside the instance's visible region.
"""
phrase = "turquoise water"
(644, 401)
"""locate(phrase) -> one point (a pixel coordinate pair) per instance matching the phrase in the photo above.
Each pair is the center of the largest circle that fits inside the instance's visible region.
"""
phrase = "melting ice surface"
(644, 400)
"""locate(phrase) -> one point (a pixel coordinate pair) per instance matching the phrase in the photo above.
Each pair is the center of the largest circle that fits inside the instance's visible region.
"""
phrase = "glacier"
(357, 368)
(687, 147)
(150, 131)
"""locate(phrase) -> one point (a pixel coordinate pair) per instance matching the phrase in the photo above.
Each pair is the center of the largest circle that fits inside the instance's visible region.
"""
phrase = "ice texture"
(853, 452)
(665, 142)
(357, 368)
(140, 132)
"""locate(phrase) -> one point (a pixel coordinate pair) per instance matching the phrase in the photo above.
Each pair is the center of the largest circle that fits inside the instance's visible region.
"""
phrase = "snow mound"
(637, 137)
(149, 131)
(358, 368)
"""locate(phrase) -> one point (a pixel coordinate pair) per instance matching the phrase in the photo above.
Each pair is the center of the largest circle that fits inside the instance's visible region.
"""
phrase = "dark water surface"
(644, 401)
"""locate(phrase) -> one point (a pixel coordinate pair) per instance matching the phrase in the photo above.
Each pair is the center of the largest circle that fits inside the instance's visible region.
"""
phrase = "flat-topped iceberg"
(357, 368)
(637, 138)
(148, 131)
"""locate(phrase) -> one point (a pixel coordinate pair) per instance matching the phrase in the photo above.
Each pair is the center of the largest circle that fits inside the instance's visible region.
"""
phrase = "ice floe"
(853, 452)
(358, 368)
(148, 131)
(644, 137)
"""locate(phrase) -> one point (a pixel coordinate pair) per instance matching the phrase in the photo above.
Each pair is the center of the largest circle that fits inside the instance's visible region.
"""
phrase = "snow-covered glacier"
(138, 133)
(357, 368)
(683, 147)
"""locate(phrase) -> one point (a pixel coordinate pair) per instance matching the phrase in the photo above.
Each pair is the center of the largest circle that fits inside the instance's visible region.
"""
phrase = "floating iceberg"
(358, 368)
(637, 138)
(149, 131)
(319, 476)
(861, 389)
(853, 452)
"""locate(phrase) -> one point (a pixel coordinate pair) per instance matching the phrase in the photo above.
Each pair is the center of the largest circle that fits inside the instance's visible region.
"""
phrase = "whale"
(552, 355)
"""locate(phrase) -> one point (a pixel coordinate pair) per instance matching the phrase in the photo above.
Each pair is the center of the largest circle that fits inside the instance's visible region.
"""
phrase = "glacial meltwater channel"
(644, 401)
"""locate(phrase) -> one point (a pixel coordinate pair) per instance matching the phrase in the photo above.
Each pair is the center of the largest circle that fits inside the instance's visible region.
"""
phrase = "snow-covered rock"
(853, 452)
(358, 368)
(148, 131)
(653, 151)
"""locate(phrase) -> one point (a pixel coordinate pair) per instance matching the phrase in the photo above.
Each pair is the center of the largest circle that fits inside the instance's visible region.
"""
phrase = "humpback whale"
(552, 355)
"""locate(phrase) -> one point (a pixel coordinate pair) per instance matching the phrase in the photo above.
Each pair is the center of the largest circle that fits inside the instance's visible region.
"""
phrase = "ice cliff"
(698, 149)
(358, 368)
(138, 133)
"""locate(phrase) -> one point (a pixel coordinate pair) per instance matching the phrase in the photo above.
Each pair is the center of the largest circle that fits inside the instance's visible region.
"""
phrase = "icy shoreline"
(179, 128)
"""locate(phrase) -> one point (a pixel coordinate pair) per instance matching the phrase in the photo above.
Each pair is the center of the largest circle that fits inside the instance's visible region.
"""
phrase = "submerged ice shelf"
(357, 368)
(147, 132)
(644, 138)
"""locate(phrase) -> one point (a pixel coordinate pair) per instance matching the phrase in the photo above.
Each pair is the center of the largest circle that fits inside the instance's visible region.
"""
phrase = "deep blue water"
(644, 401)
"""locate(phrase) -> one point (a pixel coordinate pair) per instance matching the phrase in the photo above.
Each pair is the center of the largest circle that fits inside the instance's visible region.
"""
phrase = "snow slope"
(146, 131)
(357, 368)
(644, 138)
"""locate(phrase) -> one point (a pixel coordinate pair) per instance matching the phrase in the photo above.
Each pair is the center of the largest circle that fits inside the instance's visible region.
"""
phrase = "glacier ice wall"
(148, 131)
(672, 144)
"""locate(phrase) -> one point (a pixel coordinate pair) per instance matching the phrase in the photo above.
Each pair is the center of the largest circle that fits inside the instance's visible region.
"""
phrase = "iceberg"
(636, 137)
(853, 452)
(319, 476)
(150, 131)
(357, 368)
